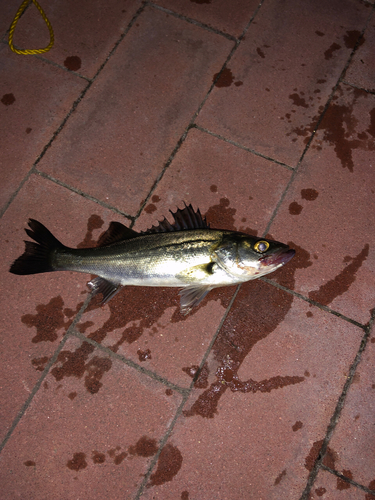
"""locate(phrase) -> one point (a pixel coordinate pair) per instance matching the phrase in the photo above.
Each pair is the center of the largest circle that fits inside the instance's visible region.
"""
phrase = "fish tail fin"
(37, 257)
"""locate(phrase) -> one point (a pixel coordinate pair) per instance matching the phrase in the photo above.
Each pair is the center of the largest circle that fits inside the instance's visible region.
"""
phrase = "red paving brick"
(352, 442)
(107, 406)
(32, 108)
(113, 421)
(266, 95)
(116, 145)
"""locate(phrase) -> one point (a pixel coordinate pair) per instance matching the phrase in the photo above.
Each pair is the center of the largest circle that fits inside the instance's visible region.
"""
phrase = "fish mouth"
(278, 258)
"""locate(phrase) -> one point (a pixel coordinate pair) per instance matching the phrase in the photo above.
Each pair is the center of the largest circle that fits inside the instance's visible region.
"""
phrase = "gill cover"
(238, 256)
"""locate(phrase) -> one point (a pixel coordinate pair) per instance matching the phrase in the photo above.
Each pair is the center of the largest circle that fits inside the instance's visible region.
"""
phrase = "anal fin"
(192, 295)
(105, 287)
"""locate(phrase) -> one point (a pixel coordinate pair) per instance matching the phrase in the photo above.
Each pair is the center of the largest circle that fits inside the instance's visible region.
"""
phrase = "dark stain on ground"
(29, 463)
(202, 380)
(260, 53)
(117, 457)
(150, 208)
(301, 260)
(201, 2)
(319, 33)
(28, 130)
(328, 54)
(72, 395)
(49, 318)
(334, 132)
(298, 101)
(168, 392)
(73, 63)
(309, 194)
(225, 80)
(144, 355)
(371, 486)
(298, 425)
(351, 37)
(295, 208)
(342, 282)
(78, 462)
(341, 483)
(257, 311)
(221, 216)
(144, 447)
(75, 364)
(97, 457)
(169, 463)
(94, 222)
(8, 99)
(40, 363)
(156, 198)
(185, 495)
(329, 458)
(279, 477)
(213, 188)
(320, 491)
(339, 126)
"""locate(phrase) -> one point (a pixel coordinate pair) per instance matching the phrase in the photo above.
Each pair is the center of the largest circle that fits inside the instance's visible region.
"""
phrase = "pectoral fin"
(105, 287)
(192, 295)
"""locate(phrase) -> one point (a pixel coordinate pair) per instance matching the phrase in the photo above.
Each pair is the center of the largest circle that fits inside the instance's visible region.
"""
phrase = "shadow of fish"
(187, 254)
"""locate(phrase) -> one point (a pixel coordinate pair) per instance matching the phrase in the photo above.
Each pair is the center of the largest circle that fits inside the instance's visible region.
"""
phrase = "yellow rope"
(13, 27)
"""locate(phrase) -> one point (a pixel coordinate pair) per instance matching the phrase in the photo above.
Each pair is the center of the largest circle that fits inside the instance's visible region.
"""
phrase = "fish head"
(247, 257)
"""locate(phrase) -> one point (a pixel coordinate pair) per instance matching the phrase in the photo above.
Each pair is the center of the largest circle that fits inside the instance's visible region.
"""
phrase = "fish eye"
(261, 246)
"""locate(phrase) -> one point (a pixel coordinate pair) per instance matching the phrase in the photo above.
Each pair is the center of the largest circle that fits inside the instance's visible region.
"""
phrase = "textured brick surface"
(327, 208)
(238, 398)
(32, 109)
(126, 129)
(267, 97)
(86, 390)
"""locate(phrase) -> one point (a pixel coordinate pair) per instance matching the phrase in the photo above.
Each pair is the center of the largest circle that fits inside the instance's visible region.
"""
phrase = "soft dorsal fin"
(115, 233)
(184, 219)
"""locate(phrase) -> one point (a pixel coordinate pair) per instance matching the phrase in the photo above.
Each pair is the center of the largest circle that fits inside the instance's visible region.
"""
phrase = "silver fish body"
(186, 254)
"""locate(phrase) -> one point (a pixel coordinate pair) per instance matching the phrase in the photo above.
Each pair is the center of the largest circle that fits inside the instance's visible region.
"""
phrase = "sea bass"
(187, 254)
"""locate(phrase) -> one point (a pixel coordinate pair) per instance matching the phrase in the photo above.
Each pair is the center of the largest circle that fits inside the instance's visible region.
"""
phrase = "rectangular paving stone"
(90, 431)
(352, 441)
(34, 99)
(273, 90)
(129, 122)
(233, 188)
(265, 397)
(329, 209)
(37, 310)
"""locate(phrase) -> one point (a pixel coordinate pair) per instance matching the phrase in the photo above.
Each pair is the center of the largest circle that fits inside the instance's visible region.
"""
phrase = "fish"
(186, 253)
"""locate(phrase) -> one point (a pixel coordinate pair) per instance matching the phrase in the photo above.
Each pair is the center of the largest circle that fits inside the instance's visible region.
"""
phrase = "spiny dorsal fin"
(184, 219)
(115, 233)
